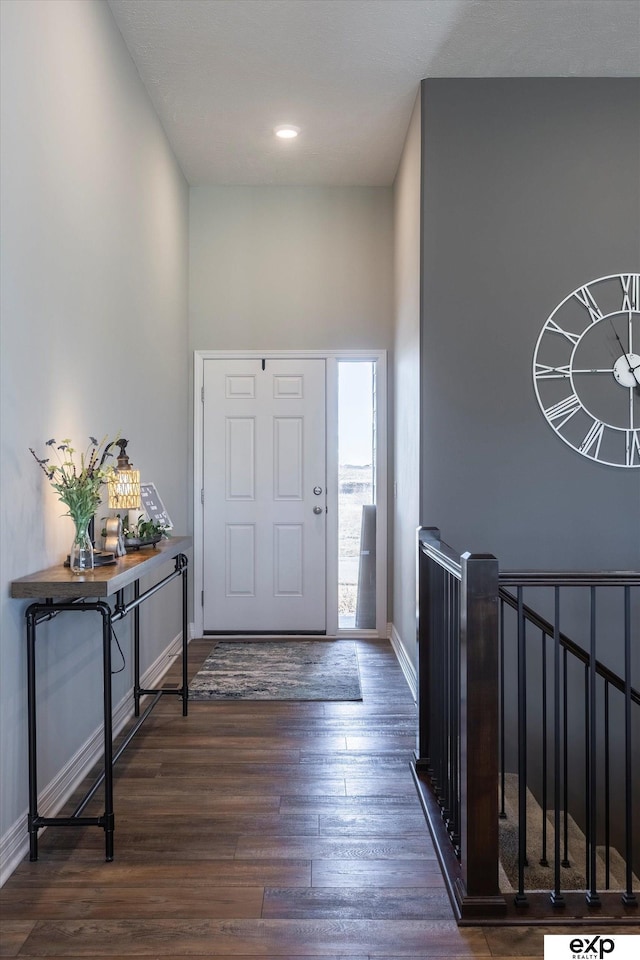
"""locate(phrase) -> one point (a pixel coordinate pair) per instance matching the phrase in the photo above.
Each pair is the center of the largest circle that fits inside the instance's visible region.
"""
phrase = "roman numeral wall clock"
(586, 370)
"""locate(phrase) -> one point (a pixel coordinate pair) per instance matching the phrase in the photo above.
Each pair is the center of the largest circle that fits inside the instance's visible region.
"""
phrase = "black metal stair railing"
(518, 722)
(579, 762)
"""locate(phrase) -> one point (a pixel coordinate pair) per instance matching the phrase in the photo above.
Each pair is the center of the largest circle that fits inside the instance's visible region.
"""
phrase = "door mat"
(279, 670)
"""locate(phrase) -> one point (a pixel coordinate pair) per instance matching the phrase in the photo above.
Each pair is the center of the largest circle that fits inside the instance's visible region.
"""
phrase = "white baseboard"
(406, 665)
(14, 845)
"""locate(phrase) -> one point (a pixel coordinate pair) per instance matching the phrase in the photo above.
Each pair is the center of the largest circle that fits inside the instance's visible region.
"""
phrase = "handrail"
(570, 578)
(440, 551)
(568, 644)
(437, 549)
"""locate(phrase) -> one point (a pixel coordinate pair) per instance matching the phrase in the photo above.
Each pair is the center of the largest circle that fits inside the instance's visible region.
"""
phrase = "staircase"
(506, 686)
(539, 871)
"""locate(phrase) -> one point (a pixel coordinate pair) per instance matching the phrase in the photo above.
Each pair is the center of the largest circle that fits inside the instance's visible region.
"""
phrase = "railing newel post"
(521, 897)
(479, 724)
(628, 898)
(544, 862)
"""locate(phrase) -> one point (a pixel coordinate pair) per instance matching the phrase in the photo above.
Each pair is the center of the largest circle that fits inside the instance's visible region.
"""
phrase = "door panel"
(240, 458)
(264, 452)
(287, 458)
(288, 560)
(240, 559)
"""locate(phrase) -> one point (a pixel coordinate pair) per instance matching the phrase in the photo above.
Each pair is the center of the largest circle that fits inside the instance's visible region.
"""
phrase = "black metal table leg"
(108, 732)
(185, 679)
(136, 650)
(33, 749)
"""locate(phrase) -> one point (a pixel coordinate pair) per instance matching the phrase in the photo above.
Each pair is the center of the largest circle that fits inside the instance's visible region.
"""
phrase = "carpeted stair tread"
(537, 876)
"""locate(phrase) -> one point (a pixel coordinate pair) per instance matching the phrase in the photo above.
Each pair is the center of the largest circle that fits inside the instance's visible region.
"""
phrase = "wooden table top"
(58, 581)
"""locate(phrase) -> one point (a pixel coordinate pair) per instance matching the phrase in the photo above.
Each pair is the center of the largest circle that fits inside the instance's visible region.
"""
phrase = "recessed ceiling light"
(287, 132)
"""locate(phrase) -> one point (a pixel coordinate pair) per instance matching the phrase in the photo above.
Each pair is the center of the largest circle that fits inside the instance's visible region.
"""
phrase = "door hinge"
(202, 598)
(202, 496)
(202, 394)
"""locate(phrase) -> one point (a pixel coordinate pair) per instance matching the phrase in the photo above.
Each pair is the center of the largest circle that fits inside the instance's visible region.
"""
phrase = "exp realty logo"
(592, 946)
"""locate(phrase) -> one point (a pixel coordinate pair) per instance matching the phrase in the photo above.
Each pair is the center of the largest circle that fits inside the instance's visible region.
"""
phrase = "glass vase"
(81, 554)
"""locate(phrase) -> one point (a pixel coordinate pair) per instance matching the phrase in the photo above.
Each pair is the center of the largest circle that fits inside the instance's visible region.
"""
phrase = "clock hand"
(632, 370)
(624, 352)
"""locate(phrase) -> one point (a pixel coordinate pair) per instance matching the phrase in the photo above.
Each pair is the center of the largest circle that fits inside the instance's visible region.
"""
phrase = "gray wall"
(406, 384)
(531, 189)
(94, 341)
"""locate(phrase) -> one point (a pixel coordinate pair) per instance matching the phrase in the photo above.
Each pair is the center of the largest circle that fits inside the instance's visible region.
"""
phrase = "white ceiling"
(223, 73)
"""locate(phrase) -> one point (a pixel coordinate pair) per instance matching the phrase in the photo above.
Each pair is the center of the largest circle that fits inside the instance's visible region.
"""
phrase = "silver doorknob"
(317, 509)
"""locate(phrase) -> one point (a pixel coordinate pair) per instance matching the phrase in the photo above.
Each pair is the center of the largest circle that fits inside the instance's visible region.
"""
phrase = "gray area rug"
(279, 670)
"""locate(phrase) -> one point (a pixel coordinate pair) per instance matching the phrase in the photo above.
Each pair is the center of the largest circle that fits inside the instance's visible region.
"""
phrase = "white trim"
(199, 357)
(406, 665)
(331, 394)
(382, 401)
(379, 357)
(14, 845)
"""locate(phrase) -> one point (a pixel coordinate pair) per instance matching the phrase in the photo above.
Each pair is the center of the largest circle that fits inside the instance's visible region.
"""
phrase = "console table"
(60, 591)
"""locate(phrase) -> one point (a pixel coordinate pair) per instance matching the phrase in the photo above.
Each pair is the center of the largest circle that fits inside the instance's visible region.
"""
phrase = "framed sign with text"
(153, 505)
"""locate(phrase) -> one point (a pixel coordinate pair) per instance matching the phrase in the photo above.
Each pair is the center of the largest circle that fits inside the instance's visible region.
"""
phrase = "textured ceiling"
(223, 73)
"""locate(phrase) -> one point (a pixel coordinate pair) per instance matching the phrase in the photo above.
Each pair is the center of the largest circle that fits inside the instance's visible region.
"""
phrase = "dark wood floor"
(253, 829)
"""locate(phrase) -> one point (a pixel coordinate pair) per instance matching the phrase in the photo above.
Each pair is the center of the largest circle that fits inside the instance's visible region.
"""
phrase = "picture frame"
(153, 505)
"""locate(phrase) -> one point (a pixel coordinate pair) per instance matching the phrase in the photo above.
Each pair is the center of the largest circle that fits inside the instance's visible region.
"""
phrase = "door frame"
(379, 357)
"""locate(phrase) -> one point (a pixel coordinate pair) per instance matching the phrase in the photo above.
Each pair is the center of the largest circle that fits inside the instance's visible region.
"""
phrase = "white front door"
(264, 519)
